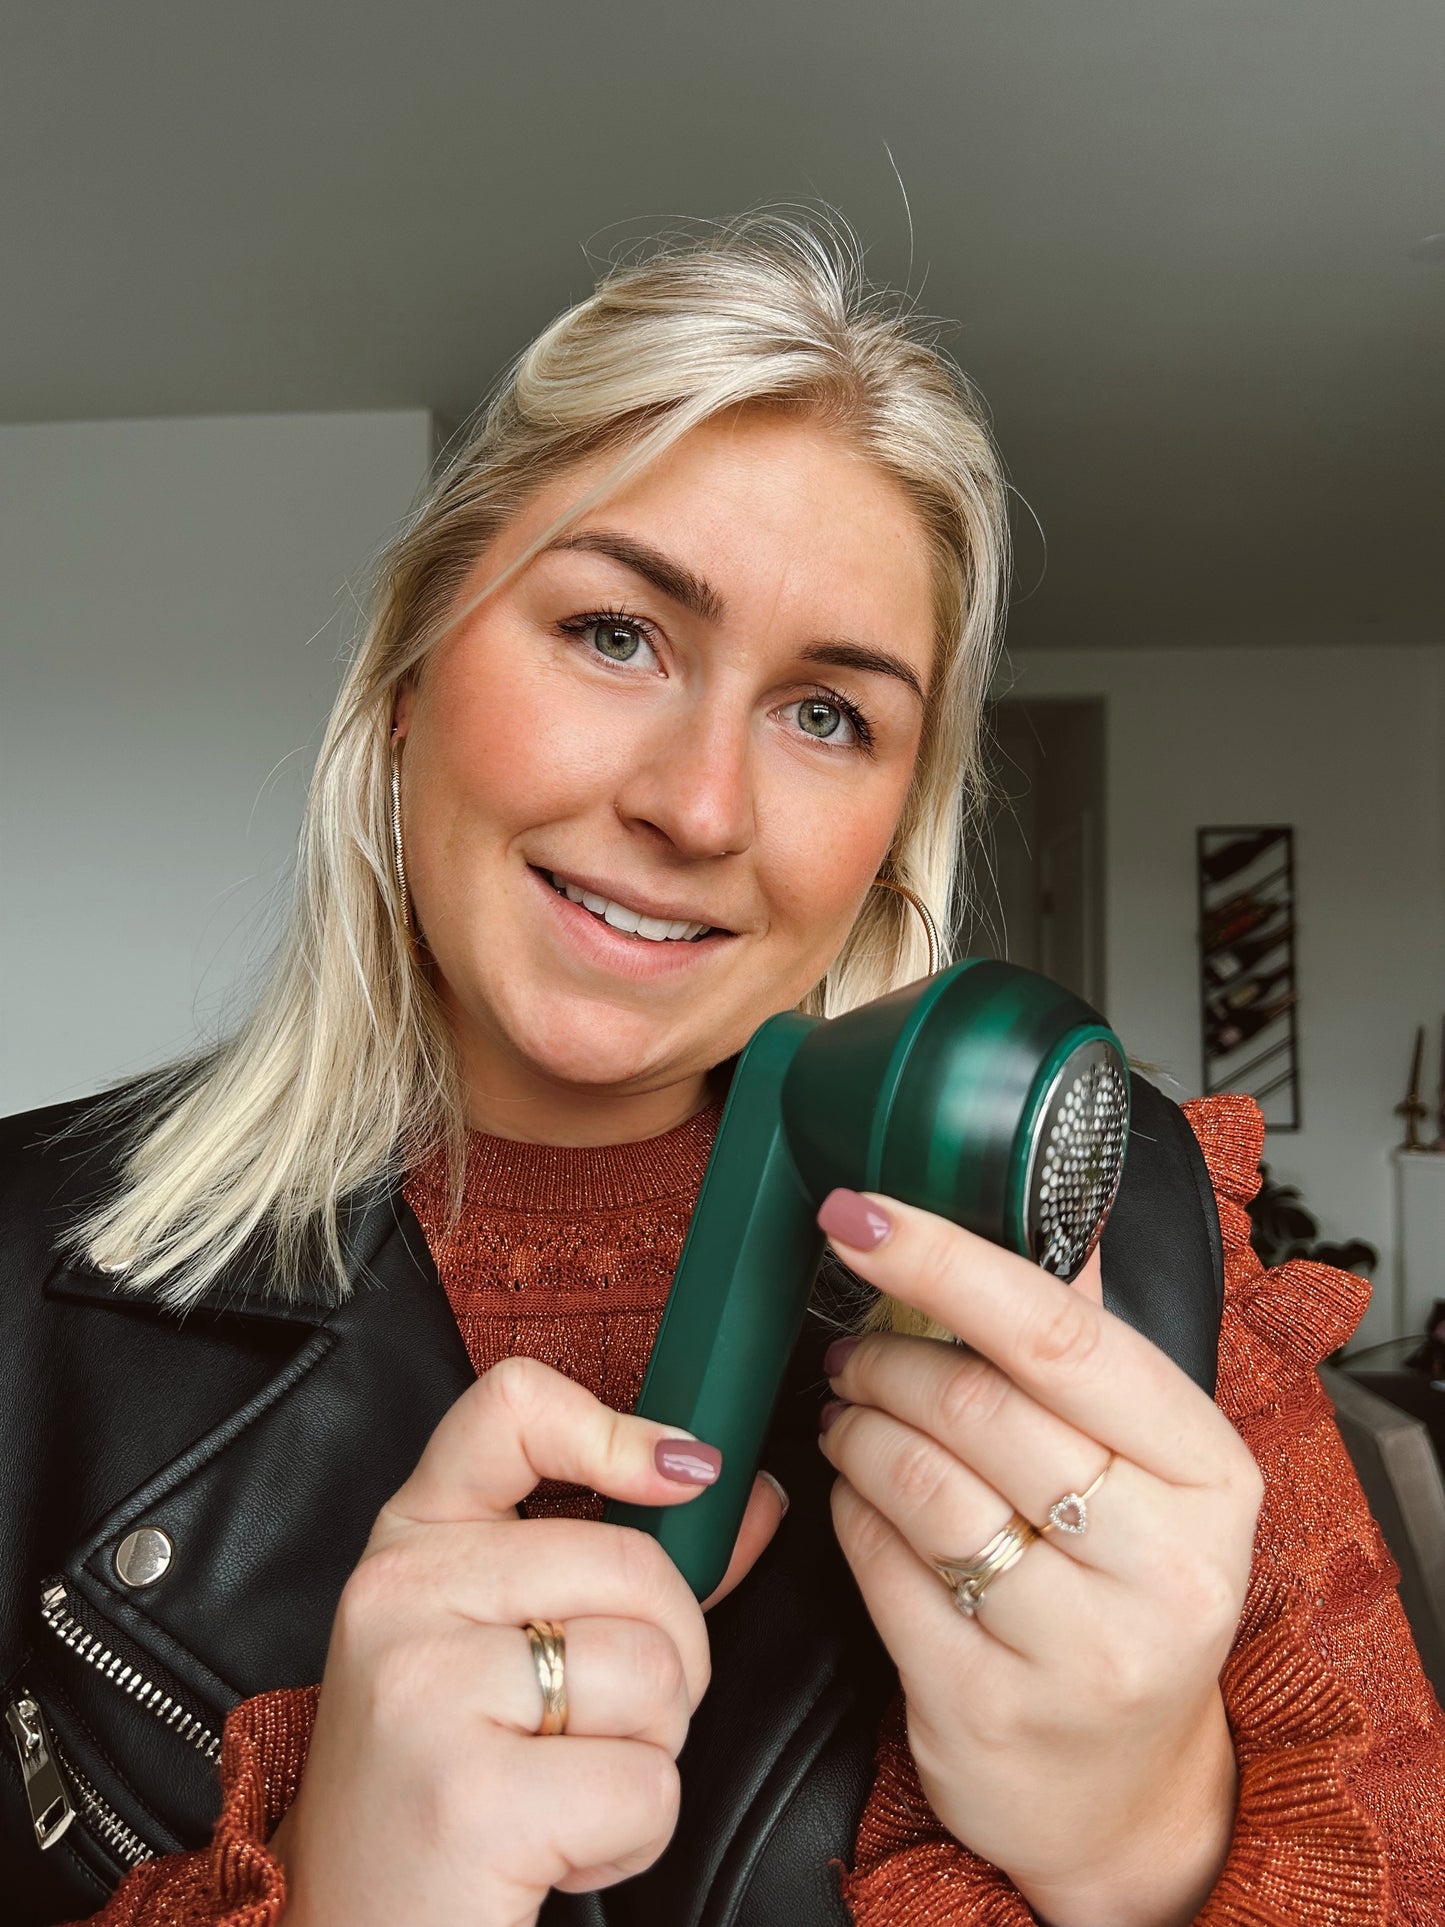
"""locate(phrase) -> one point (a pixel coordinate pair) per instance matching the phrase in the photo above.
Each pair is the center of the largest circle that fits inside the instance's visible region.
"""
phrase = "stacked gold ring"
(549, 1654)
(969, 1579)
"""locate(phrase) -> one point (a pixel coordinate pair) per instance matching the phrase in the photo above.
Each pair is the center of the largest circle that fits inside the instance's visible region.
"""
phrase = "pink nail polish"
(686, 1461)
(838, 1354)
(830, 1412)
(851, 1219)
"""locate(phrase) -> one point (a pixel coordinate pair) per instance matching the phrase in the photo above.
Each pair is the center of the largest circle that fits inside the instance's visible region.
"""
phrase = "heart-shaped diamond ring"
(1071, 1513)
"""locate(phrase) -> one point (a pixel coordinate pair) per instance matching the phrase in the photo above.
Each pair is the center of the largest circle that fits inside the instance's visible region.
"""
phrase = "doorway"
(1042, 906)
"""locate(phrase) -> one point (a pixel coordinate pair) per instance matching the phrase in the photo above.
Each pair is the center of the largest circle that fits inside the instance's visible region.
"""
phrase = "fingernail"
(851, 1219)
(830, 1412)
(687, 1461)
(776, 1484)
(837, 1352)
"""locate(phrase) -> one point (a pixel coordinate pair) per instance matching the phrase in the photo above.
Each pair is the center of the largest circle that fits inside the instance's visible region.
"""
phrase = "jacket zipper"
(55, 1611)
(51, 1811)
(47, 1771)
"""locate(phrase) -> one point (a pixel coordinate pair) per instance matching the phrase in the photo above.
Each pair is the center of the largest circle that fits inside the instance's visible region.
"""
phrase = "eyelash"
(577, 626)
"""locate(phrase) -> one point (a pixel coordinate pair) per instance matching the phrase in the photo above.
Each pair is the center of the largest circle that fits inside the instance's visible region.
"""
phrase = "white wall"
(174, 599)
(1348, 745)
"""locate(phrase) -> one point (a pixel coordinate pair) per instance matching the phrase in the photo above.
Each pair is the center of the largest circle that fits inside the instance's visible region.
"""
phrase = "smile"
(621, 916)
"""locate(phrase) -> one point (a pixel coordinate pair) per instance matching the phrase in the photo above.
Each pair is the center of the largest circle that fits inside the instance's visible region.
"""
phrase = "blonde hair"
(345, 1072)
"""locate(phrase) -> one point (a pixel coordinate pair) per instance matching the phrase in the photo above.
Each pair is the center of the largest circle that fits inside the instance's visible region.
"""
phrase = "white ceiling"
(1177, 237)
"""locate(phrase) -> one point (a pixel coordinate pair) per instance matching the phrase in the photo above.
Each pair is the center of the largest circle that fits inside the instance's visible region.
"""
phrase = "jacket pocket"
(80, 1805)
(125, 1710)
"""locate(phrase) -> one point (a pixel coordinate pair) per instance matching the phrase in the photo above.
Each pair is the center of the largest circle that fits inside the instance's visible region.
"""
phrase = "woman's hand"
(428, 1796)
(1072, 1732)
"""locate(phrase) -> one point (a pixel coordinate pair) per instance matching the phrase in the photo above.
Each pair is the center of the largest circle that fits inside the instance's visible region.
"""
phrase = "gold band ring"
(969, 1579)
(549, 1653)
(1071, 1513)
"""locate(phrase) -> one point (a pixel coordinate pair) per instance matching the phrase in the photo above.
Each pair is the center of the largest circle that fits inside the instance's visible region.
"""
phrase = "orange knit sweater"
(567, 1255)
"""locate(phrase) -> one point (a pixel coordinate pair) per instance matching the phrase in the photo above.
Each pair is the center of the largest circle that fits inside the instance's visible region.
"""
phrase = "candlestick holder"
(1412, 1106)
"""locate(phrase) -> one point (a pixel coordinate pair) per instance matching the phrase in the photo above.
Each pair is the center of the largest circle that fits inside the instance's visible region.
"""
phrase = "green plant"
(1281, 1228)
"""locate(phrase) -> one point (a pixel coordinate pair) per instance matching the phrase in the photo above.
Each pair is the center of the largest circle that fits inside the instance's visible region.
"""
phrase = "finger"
(506, 1573)
(910, 1605)
(941, 1510)
(614, 1801)
(1014, 1445)
(521, 1422)
(1074, 1357)
(625, 1679)
(1088, 1640)
(1085, 1633)
(767, 1503)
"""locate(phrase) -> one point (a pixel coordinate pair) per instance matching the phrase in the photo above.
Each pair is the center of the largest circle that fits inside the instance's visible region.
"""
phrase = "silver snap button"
(143, 1555)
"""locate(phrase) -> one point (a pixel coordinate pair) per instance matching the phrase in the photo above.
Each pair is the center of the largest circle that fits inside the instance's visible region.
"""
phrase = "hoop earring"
(935, 948)
(398, 860)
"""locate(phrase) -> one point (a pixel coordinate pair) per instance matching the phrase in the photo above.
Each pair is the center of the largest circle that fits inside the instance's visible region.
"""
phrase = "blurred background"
(259, 264)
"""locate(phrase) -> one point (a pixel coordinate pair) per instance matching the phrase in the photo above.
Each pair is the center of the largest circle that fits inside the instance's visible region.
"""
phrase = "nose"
(693, 784)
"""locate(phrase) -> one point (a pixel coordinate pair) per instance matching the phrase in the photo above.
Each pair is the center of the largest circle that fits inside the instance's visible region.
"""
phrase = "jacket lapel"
(268, 1511)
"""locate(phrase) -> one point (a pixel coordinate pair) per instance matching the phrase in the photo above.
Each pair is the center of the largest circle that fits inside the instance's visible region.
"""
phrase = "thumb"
(767, 1503)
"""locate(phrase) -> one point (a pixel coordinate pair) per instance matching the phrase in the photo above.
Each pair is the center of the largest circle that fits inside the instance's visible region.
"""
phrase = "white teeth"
(655, 929)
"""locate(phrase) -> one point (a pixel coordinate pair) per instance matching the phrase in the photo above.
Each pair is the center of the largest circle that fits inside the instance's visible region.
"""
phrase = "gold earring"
(935, 948)
(398, 860)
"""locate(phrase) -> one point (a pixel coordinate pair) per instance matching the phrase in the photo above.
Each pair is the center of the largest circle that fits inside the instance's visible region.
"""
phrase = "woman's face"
(700, 706)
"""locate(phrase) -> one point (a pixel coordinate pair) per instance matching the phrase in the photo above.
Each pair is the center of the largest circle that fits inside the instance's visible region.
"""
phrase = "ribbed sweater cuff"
(909, 1872)
(263, 1751)
(1304, 1851)
(1303, 1854)
(235, 1881)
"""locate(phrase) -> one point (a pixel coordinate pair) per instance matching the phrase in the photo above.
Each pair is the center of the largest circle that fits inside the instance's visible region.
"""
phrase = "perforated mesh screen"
(1078, 1158)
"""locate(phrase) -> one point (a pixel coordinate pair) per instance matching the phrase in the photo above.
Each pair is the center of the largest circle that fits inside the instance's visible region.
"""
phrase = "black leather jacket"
(262, 1440)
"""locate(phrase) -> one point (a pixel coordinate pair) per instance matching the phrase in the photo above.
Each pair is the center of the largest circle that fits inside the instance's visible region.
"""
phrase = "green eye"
(618, 641)
(819, 718)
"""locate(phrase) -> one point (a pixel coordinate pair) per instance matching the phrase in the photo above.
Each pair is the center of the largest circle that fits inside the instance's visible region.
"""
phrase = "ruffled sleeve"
(1339, 1737)
(1340, 1743)
(908, 1870)
(235, 1881)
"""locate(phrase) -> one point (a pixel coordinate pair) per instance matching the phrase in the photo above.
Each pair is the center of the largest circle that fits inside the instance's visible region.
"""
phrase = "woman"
(684, 653)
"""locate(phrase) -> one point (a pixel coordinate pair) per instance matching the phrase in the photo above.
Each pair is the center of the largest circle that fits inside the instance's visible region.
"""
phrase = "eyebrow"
(857, 655)
(696, 594)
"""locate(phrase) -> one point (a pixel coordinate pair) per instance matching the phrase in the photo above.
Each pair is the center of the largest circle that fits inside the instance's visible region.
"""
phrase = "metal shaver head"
(987, 1094)
(1076, 1157)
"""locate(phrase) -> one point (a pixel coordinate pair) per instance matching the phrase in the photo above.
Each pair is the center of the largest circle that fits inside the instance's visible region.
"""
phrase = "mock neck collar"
(508, 1175)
